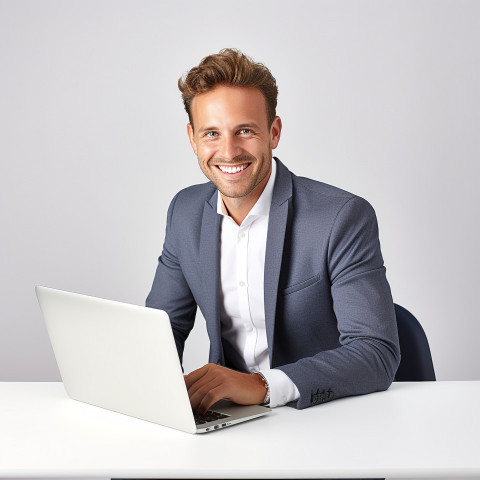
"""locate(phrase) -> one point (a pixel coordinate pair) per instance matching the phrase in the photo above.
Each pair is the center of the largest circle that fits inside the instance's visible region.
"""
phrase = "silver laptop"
(123, 358)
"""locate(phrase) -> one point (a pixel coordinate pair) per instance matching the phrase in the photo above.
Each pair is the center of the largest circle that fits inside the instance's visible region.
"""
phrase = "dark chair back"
(416, 364)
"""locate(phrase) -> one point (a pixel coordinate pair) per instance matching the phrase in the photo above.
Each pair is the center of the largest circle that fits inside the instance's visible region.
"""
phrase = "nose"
(230, 147)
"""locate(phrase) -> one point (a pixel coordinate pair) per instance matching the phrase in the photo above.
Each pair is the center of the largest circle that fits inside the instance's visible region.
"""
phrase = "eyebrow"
(248, 125)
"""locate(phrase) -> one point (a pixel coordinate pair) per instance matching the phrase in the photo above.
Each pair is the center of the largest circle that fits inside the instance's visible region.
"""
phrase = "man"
(287, 271)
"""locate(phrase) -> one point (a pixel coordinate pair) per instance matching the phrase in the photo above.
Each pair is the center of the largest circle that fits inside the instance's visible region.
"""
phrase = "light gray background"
(380, 98)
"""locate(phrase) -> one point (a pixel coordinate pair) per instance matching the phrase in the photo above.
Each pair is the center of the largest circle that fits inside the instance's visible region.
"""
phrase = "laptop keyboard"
(209, 416)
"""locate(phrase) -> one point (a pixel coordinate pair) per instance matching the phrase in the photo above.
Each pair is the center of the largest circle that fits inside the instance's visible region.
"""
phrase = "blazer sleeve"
(170, 291)
(369, 352)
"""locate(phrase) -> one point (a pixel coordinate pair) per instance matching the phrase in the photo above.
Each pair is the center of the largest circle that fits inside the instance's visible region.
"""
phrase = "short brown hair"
(233, 68)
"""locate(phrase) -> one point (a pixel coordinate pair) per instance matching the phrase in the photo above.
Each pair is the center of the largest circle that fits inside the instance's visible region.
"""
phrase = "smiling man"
(233, 142)
(287, 271)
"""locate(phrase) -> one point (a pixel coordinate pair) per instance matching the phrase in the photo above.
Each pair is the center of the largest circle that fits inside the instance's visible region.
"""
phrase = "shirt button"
(241, 284)
(241, 234)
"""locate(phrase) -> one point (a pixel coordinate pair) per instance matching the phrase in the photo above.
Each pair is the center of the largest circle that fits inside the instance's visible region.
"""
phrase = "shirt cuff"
(282, 389)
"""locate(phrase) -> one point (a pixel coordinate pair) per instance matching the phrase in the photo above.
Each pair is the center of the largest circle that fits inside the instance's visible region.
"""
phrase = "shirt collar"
(262, 206)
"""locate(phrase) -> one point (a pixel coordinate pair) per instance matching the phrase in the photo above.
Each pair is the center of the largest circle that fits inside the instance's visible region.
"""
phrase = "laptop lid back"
(107, 352)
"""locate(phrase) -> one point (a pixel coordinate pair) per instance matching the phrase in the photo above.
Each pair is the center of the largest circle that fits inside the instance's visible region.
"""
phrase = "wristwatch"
(266, 400)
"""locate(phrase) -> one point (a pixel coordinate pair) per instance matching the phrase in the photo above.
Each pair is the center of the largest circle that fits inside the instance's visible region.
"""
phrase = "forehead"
(226, 104)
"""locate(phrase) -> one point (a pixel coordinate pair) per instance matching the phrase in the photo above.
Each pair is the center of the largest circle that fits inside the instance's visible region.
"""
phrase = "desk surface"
(429, 429)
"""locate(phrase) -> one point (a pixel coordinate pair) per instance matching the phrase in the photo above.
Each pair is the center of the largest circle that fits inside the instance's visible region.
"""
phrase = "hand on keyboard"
(213, 382)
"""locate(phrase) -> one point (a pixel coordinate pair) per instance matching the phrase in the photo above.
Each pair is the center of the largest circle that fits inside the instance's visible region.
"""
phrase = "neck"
(238, 208)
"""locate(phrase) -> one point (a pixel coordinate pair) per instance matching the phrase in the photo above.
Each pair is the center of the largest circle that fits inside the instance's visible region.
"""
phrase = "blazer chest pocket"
(302, 285)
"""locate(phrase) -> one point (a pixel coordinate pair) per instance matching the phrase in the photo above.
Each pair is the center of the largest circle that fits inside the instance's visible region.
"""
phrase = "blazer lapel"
(277, 224)
(209, 268)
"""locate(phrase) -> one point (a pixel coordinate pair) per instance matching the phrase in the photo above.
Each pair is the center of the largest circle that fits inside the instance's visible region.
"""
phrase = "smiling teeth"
(232, 169)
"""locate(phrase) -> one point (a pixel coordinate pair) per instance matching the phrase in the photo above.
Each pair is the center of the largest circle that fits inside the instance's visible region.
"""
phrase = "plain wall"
(380, 98)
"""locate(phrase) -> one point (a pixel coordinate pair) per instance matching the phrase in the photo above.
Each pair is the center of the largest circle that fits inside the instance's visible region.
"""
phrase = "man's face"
(232, 140)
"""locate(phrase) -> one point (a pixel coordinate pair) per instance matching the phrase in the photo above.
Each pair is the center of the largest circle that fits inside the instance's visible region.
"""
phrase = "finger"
(198, 392)
(204, 383)
(207, 374)
(196, 375)
(212, 397)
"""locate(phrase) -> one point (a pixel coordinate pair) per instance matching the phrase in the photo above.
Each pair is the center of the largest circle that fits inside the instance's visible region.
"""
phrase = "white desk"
(412, 430)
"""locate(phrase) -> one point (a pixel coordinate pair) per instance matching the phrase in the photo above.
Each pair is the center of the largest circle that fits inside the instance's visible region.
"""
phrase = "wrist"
(266, 386)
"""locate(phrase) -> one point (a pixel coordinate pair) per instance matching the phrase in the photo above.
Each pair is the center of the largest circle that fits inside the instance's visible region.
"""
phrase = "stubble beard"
(237, 160)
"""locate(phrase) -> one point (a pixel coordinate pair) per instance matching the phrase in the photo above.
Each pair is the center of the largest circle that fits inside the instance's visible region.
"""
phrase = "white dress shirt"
(242, 309)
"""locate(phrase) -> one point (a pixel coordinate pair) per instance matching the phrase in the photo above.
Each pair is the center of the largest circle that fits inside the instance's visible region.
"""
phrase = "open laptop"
(123, 358)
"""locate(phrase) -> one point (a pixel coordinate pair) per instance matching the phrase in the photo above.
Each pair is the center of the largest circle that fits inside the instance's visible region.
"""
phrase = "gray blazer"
(329, 312)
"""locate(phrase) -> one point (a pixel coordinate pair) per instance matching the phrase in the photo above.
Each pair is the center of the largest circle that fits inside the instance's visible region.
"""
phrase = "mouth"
(233, 169)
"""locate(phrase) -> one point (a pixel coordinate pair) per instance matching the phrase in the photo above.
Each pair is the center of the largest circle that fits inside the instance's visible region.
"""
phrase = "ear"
(275, 131)
(191, 138)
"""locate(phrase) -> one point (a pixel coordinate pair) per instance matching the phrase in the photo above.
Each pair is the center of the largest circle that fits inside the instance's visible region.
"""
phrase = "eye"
(245, 131)
(211, 134)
